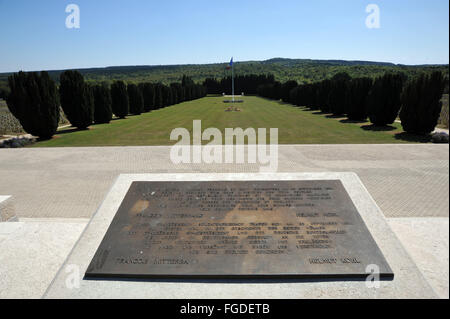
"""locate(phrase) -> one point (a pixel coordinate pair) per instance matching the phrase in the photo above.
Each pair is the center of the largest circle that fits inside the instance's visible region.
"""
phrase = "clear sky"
(33, 34)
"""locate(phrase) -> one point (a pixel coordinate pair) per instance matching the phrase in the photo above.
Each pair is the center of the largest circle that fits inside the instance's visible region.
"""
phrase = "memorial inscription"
(236, 229)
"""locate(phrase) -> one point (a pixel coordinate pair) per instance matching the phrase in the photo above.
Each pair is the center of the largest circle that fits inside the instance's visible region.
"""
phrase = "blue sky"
(149, 32)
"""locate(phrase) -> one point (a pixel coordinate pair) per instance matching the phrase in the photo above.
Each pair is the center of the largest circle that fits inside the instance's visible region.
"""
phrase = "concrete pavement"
(426, 241)
(405, 180)
(56, 190)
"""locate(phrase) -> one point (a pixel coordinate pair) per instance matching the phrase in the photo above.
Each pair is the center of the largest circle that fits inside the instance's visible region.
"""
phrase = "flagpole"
(232, 79)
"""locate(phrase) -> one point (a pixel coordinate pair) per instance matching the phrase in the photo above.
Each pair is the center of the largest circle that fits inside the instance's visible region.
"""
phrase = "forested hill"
(301, 70)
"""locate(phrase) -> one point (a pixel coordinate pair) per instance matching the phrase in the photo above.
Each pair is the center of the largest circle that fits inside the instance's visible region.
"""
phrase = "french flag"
(230, 65)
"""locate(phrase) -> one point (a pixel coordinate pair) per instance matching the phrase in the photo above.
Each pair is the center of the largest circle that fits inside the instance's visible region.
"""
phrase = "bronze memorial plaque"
(238, 229)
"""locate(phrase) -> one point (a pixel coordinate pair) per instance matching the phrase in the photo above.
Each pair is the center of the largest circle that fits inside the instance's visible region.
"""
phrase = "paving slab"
(32, 252)
(427, 242)
(408, 282)
(405, 180)
(7, 212)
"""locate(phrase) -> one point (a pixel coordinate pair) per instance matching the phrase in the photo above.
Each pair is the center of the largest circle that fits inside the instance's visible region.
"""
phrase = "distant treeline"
(416, 100)
(300, 70)
(35, 99)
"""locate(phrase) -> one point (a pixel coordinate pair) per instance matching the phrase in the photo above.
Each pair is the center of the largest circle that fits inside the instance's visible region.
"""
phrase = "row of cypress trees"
(34, 100)
(381, 100)
(243, 83)
(145, 97)
(421, 103)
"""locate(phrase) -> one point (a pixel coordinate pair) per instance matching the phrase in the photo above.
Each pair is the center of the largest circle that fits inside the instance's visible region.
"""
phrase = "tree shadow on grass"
(353, 121)
(377, 128)
(320, 113)
(310, 109)
(404, 136)
(43, 139)
(96, 124)
(333, 116)
(280, 102)
(71, 130)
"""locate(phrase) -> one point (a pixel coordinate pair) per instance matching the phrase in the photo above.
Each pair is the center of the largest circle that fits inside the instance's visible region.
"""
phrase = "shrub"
(323, 96)
(33, 100)
(270, 91)
(338, 93)
(177, 92)
(384, 99)
(148, 93)
(76, 99)
(158, 96)
(167, 95)
(358, 92)
(135, 99)
(119, 97)
(421, 103)
(310, 96)
(248, 83)
(304, 95)
(443, 118)
(286, 90)
(102, 103)
(295, 96)
(440, 138)
(313, 96)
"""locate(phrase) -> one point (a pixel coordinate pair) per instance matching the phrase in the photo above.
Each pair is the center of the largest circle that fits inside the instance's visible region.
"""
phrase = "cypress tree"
(177, 92)
(119, 96)
(136, 99)
(102, 103)
(158, 96)
(421, 103)
(76, 99)
(286, 90)
(358, 93)
(33, 100)
(148, 93)
(187, 92)
(312, 96)
(186, 81)
(294, 96)
(88, 102)
(249, 84)
(166, 96)
(189, 88)
(338, 93)
(384, 99)
(309, 95)
(324, 90)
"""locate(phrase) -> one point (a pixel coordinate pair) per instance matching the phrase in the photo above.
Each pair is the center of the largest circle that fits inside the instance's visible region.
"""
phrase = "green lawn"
(296, 125)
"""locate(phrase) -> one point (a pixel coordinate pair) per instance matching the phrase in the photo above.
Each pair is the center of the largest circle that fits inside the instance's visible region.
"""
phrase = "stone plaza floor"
(405, 180)
(55, 191)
